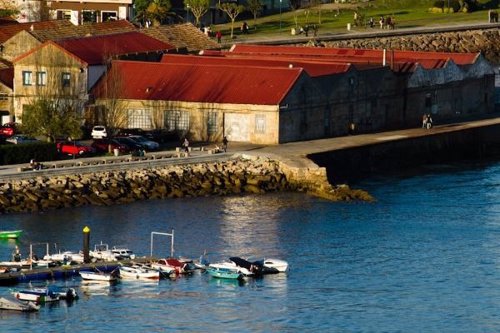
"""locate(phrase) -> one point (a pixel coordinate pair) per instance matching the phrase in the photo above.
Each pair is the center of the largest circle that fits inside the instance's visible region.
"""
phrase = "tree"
(113, 114)
(7, 9)
(157, 11)
(198, 8)
(232, 10)
(255, 7)
(52, 119)
(152, 11)
(295, 5)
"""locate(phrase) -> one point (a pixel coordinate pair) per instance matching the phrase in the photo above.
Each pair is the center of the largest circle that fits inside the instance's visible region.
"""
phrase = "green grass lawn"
(333, 18)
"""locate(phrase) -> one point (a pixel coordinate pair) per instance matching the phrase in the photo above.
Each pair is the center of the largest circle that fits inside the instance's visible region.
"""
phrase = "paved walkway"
(293, 153)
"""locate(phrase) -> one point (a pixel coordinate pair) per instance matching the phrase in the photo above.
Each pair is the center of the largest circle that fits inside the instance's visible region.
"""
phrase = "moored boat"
(138, 273)
(98, 276)
(45, 295)
(10, 234)
(16, 305)
(223, 272)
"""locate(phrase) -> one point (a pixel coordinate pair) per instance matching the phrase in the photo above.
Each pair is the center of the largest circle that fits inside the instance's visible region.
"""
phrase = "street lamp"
(280, 14)
(187, 13)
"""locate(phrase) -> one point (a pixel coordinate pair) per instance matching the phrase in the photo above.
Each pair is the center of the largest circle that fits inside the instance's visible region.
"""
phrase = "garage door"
(236, 127)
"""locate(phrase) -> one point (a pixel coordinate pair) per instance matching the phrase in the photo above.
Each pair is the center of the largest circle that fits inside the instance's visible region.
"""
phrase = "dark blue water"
(424, 258)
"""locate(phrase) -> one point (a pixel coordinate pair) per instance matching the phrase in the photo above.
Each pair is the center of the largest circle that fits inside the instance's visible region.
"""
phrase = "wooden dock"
(61, 272)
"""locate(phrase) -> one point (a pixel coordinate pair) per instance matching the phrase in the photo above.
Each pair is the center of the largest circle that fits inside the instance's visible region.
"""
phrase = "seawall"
(238, 175)
(352, 164)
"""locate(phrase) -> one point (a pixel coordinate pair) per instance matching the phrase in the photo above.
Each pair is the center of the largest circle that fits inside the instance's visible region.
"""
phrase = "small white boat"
(122, 253)
(102, 252)
(16, 305)
(138, 273)
(230, 265)
(65, 257)
(99, 276)
(274, 264)
(38, 295)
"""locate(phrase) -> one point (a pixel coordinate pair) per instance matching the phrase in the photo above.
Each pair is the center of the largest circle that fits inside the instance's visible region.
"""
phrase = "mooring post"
(86, 242)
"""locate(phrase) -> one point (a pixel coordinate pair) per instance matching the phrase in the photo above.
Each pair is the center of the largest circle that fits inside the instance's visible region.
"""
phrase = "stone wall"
(237, 176)
(484, 41)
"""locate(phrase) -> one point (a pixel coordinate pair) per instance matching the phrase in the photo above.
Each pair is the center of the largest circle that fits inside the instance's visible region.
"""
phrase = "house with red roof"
(67, 69)
(258, 104)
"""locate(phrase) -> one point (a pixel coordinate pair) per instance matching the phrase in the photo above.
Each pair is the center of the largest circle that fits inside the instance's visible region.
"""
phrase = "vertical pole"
(86, 242)
(31, 256)
(172, 245)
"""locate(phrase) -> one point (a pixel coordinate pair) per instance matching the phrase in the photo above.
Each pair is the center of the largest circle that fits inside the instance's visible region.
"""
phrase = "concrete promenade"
(293, 154)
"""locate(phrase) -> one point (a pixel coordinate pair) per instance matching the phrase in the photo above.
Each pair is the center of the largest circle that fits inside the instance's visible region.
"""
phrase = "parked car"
(148, 144)
(74, 148)
(20, 138)
(103, 146)
(8, 130)
(131, 144)
(99, 132)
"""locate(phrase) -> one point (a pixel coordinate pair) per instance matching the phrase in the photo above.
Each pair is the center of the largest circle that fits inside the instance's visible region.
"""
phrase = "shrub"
(455, 5)
(23, 153)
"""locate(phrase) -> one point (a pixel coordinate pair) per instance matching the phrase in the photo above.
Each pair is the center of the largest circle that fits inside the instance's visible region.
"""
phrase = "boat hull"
(128, 273)
(12, 234)
(99, 277)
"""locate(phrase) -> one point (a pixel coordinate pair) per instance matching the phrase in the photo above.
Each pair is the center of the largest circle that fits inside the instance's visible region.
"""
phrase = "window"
(89, 16)
(64, 14)
(260, 123)
(139, 118)
(41, 78)
(177, 120)
(27, 78)
(212, 122)
(66, 79)
(4, 97)
(109, 16)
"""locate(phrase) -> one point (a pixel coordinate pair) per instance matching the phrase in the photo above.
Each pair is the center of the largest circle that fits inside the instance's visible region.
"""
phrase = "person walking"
(185, 145)
(224, 143)
(218, 35)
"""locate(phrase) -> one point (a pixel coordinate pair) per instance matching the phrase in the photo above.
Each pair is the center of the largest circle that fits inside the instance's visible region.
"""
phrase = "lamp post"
(187, 13)
(280, 14)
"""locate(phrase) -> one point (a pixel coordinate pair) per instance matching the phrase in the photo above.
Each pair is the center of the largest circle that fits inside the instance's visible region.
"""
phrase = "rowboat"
(138, 273)
(10, 234)
(98, 276)
(7, 304)
(221, 272)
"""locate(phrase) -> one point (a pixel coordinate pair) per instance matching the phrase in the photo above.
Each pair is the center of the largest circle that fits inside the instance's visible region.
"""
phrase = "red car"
(74, 148)
(103, 146)
(8, 130)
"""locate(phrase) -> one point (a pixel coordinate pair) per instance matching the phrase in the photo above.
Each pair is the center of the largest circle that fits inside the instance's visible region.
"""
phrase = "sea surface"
(425, 257)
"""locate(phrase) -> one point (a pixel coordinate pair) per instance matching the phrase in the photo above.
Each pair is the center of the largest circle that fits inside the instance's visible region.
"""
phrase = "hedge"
(23, 153)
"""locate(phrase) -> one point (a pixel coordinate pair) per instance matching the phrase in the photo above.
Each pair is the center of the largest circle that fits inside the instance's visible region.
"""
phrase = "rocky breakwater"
(484, 41)
(236, 176)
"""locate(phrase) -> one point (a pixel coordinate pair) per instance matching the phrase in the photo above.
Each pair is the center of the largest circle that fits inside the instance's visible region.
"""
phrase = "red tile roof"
(312, 68)
(200, 83)
(340, 54)
(9, 30)
(95, 49)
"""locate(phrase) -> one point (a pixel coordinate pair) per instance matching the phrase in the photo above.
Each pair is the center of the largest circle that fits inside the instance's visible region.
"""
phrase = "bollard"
(86, 242)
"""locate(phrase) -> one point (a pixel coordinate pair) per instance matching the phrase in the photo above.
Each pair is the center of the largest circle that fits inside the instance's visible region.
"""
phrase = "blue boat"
(223, 272)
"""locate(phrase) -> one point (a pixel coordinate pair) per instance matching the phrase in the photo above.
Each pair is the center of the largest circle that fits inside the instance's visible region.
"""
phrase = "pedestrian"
(218, 35)
(424, 121)
(224, 143)
(185, 144)
(429, 121)
(16, 255)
